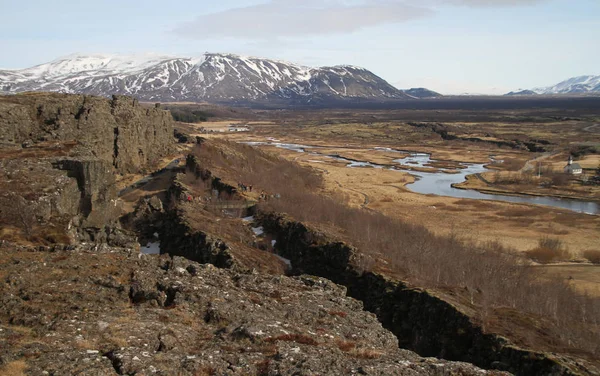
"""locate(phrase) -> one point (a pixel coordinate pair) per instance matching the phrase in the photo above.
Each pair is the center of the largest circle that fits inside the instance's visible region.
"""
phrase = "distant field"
(559, 125)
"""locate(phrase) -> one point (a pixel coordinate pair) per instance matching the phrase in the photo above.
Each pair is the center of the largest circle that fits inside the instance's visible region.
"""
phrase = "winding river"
(440, 182)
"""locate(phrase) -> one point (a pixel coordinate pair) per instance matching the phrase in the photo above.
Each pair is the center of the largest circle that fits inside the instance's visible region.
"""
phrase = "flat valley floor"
(475, 136)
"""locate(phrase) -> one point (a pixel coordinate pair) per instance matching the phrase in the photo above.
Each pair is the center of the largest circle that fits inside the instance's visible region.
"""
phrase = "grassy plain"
(476, 135)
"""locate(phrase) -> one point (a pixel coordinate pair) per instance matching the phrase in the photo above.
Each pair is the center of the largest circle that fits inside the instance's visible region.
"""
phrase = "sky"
(450, 46)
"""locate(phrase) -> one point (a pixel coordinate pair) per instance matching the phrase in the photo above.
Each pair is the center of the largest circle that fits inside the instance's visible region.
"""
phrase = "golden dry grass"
(14, 368)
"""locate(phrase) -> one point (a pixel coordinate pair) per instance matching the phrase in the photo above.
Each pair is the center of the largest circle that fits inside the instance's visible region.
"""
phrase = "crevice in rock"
(443, 131)
(421, 321)
(171, 293)
(115, 361)
(115, 146)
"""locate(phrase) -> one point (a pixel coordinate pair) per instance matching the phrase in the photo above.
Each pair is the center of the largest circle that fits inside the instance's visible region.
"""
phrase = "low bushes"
(549, 250)
(593, 256)
(490, 277)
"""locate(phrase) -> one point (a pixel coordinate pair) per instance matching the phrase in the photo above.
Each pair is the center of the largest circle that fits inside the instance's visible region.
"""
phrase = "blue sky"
(452, 46)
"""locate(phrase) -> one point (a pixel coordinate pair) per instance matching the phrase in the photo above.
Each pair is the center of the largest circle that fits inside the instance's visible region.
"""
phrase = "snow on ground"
(248, 219)
(151, 249)
(273, 242)
(258, 231)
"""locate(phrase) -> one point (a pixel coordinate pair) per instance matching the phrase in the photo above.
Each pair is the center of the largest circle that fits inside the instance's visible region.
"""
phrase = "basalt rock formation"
(184, 229)
(59, 155)
(119, 130)
(450, 133)
(116, 312)
(420, 319)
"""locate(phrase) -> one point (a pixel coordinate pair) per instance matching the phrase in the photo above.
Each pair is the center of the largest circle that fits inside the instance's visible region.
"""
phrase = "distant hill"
(522, 92)
(422, 93)
(217, 78)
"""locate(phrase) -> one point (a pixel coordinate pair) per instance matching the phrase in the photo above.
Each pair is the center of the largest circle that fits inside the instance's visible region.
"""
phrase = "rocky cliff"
(58, 159)
(420, 319)
(199, 231)
(423, 320)
(119, 130)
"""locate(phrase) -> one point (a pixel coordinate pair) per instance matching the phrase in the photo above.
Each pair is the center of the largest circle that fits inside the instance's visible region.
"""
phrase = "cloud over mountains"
(296, 18)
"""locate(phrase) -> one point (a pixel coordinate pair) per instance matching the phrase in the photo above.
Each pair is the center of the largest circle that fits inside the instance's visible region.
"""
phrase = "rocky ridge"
(114, 311)
(59, 157)
(422, 320)
(119, 130)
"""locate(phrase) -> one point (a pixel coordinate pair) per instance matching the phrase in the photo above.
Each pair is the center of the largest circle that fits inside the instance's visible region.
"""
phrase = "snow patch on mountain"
(575, 85)
(210, 77)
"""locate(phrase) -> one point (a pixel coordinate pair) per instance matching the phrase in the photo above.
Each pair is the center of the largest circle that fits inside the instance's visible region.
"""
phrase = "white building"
(573, 168)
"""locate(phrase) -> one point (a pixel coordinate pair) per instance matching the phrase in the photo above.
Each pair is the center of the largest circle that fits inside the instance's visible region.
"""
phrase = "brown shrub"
(592, 255)
(513, 178)
(549, 250)
(252, 166)
(298, 338)
(338, 313)
(554, 244)
(495, 277)
(345, 346)
(548, 255)
(366, 353)
(559, 179)
(14, 368)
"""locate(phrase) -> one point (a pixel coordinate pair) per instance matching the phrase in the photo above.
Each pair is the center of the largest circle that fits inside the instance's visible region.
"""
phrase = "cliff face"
(421, 320)
(119, 130)
(58, 158)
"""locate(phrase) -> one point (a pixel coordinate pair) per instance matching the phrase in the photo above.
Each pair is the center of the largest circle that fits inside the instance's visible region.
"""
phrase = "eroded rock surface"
(115, 311)
(119, 130)
(59, 155)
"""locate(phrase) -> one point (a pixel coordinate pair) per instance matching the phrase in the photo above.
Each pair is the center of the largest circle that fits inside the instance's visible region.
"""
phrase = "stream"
(440, 182)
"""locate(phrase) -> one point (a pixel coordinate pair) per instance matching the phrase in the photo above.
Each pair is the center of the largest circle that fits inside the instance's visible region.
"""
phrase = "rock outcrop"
(59, 155)
(421, 320)
(178, 237)
(116, 312)
(191, 229)
(119, 130)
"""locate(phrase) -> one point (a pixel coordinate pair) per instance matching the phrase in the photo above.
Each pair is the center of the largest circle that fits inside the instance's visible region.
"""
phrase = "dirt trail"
(529, 165)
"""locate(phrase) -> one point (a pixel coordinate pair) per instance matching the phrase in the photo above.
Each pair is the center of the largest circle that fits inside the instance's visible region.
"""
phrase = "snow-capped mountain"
(211, 77)
(575, 85)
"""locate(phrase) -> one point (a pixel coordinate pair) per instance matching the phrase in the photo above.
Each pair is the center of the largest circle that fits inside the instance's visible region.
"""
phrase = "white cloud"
(291, 18)
(491, 3)
(297, 18)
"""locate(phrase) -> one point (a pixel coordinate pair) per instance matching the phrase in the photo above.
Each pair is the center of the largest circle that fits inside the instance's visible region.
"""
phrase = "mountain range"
(219, 78)
(575, 85)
